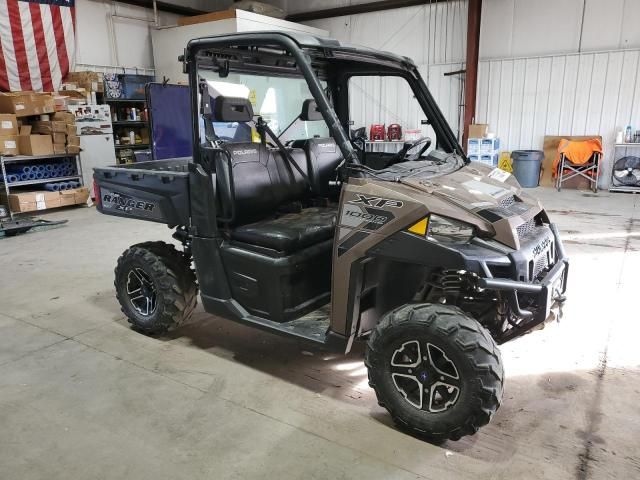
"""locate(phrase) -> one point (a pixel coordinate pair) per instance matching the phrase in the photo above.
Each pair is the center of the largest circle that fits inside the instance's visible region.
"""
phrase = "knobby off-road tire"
(165, 274)
(460, 346)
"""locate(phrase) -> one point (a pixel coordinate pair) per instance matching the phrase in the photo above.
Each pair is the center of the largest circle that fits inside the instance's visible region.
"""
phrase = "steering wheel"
(420, 146)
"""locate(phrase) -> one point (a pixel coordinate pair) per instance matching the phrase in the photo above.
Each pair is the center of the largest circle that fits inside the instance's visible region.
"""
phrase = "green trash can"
(526, 166)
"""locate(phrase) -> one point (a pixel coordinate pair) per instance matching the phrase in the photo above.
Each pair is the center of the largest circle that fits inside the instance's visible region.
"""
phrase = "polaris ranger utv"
(311, 232)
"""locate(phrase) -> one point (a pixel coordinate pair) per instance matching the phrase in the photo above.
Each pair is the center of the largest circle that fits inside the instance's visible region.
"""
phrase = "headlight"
(443, 229)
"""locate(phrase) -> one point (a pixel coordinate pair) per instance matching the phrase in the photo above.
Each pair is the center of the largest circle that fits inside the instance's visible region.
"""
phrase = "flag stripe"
(67, 24)
(58, 30)
(13, 81)
(50, 41)
(18, 45)
(32, 65)
(4, 80)
(41, 47)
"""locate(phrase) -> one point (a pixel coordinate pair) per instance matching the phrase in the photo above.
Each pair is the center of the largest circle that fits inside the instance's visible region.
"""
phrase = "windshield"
(278, 100)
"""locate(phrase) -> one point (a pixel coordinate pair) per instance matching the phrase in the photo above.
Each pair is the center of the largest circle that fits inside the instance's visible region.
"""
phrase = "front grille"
(506, 202)
(526, 228)
(541, 264)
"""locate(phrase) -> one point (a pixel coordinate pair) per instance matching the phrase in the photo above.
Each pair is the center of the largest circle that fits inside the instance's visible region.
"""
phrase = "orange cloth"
(578, 152)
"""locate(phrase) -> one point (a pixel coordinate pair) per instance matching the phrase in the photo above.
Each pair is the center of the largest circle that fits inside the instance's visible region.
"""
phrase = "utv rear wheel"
(155, 286)
(437, 371)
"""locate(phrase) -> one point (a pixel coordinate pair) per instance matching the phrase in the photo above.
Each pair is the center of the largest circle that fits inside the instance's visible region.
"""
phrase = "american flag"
(37, 43)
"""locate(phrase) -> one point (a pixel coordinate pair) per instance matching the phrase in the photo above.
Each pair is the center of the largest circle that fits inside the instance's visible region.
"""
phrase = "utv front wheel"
(155, 286)
(437, 371)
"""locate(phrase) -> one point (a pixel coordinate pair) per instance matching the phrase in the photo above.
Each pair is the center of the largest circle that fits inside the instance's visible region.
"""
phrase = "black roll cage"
(355, 62)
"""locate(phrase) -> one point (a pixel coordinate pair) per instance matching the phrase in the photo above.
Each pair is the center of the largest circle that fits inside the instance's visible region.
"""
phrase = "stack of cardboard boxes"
(8, 134)
(481, 148)
(30, 125)
(22, 132)
(29, 201)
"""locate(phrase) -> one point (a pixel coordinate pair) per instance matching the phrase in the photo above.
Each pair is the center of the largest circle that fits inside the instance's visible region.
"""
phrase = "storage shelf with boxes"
(38, 154)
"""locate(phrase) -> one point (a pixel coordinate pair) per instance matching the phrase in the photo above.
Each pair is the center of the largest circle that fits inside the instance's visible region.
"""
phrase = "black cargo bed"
(157, 191)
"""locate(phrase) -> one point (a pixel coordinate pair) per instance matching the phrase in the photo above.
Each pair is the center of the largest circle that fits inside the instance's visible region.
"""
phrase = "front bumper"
(548, 292)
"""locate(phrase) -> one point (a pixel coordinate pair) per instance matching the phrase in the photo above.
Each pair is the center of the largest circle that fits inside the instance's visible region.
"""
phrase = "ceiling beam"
(356, 9)
(164, 7)
(471, 76)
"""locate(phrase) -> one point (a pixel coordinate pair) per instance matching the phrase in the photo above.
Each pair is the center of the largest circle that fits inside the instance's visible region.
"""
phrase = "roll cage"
(314, 59)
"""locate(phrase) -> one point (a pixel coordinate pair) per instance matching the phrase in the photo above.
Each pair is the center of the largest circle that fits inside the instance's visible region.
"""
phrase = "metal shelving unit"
(137, 145)
(622, 188)
(119, 109)
(4, 161)
(124, 123)
(124, 100)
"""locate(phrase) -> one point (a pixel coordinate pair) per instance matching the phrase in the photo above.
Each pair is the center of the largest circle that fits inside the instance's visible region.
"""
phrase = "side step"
(312, 327)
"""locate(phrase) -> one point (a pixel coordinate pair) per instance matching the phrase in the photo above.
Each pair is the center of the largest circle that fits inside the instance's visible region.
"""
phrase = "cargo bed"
(157, 191)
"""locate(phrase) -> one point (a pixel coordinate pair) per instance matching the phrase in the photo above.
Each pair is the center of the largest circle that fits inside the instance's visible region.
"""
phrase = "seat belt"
(262, 125)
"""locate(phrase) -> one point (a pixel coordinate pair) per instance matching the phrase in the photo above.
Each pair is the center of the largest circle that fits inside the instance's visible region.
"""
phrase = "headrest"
(310, 112)
(232, 109)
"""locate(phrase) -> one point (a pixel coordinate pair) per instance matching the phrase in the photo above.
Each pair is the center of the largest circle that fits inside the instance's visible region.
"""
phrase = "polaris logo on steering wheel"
(377, 202)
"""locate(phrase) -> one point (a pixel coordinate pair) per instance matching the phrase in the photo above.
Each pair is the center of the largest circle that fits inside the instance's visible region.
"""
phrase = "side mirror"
(310, 112)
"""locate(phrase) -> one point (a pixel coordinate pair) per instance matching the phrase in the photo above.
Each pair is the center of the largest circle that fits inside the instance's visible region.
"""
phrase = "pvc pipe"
(13, 178)
(23, 177)
(52, 187)
(39, 175)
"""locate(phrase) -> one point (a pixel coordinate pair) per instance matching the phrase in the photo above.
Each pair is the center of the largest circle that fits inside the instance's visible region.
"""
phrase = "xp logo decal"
(376, 202)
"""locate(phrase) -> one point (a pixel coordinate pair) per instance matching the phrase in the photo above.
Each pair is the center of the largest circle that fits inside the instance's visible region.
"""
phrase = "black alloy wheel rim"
(425, 376)
(141, 292)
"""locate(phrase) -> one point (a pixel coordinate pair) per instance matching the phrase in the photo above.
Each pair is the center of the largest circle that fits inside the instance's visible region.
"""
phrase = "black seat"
(290, 232)
(263, 184)
(323, 157)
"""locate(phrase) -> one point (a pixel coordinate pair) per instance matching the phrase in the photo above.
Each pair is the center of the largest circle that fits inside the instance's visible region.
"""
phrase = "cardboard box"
(489, 146)
(34, 144)
(8, 124)
(59, 148)
(71, 128)
(91, 81)
(73, 140)
(491, 160)
(23, 104)
(478, 130)
(58, 137)
(473, 146)
(9, 145)
(42, 199)
(73, 149)
(49, 127)
(66, 117)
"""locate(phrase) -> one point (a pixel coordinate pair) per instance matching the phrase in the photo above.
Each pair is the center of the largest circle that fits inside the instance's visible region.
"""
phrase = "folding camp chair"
(589, 170)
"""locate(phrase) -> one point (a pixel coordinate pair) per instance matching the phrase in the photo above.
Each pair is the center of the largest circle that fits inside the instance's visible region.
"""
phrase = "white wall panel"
(518, 28)
(429, 34)
(111, 33)
(578, 94)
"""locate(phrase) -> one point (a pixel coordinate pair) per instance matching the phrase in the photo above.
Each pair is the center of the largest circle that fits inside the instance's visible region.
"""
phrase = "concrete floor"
(83, 396)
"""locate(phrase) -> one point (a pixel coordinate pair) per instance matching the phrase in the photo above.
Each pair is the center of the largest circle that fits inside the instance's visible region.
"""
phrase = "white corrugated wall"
(525, 99)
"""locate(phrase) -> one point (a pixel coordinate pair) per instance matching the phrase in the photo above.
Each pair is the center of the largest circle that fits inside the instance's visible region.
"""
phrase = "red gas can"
(394, 132)
(376, 132)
